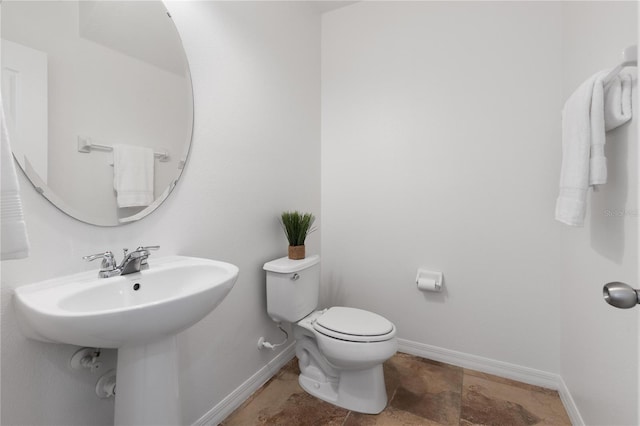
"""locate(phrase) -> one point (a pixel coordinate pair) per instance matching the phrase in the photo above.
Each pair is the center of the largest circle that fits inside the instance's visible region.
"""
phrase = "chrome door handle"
(620, 295)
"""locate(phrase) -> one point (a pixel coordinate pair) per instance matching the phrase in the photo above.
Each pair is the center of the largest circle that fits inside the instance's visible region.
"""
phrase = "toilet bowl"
(340, 350)
(344, 368)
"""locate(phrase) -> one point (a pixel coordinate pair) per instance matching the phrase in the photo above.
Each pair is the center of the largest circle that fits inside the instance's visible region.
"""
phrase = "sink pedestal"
(147, 388)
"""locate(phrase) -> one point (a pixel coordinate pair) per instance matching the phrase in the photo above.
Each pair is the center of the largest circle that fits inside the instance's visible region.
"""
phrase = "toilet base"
(362, 391)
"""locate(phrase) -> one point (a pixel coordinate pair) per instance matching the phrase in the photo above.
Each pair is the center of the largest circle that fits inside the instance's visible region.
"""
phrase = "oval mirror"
(98, 102)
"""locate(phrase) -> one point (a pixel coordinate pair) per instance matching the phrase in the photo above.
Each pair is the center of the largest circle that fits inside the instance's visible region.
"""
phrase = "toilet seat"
(354, 325)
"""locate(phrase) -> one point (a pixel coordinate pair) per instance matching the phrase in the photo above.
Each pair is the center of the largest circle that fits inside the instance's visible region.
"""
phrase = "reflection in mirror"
(82, 78)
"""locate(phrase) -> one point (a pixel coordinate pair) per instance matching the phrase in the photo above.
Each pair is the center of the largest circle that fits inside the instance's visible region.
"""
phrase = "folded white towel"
(13, 230)
(597, 160)
(616, 112)
(588, 113)
(617, 101)
(133, 175)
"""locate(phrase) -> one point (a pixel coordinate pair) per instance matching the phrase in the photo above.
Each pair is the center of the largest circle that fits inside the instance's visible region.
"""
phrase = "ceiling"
(323, 6)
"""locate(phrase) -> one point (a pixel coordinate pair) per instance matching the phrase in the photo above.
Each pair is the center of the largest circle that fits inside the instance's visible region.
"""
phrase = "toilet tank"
(292, 287)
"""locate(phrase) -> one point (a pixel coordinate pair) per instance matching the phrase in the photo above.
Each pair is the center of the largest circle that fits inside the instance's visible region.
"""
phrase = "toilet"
(340, 350)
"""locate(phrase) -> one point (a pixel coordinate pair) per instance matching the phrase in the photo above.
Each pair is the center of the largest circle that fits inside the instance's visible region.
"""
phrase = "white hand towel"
(583, 114)
(133, 175)
(588, 113)
(13, 230)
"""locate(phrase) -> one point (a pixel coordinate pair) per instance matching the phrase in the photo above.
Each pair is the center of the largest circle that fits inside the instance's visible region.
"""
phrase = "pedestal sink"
(140, 314)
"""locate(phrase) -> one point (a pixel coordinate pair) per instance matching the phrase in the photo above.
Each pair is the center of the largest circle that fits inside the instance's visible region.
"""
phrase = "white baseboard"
(570, 404)
(498, 368)
(244, 391)
(460, 359)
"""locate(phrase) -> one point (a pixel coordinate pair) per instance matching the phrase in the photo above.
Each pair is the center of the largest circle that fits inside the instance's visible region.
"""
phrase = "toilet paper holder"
(427, 280)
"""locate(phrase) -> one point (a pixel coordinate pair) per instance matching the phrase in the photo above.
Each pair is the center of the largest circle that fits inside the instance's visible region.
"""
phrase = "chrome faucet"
(135, 261)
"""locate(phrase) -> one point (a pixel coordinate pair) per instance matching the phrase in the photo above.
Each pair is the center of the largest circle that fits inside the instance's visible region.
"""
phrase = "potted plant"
(296, 227)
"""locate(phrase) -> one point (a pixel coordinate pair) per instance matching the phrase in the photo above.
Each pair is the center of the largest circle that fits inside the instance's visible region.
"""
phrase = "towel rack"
(629, 59)
(85, 145)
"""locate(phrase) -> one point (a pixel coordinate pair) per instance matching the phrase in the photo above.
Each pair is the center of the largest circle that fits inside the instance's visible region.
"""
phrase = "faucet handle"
(108, 261)
(148, 248)
(143, 263)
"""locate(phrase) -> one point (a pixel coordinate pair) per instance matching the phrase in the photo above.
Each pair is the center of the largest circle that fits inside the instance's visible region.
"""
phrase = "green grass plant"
(297, 226)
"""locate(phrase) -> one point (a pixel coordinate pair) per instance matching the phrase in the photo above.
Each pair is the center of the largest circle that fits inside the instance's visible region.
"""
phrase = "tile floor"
(421, 392)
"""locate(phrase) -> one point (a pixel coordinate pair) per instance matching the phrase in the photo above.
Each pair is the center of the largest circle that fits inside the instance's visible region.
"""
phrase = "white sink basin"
(84, 310)
(140, 314)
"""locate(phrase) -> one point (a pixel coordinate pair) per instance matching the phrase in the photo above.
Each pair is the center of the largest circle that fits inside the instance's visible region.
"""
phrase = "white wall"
(256, 77)
(599, 343)
(440, 149)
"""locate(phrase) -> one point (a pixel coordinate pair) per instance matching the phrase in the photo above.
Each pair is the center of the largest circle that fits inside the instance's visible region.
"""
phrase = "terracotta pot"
(296, 252)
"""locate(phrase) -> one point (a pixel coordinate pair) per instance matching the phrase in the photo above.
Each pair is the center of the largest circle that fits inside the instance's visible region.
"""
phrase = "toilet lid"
(354, 325)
